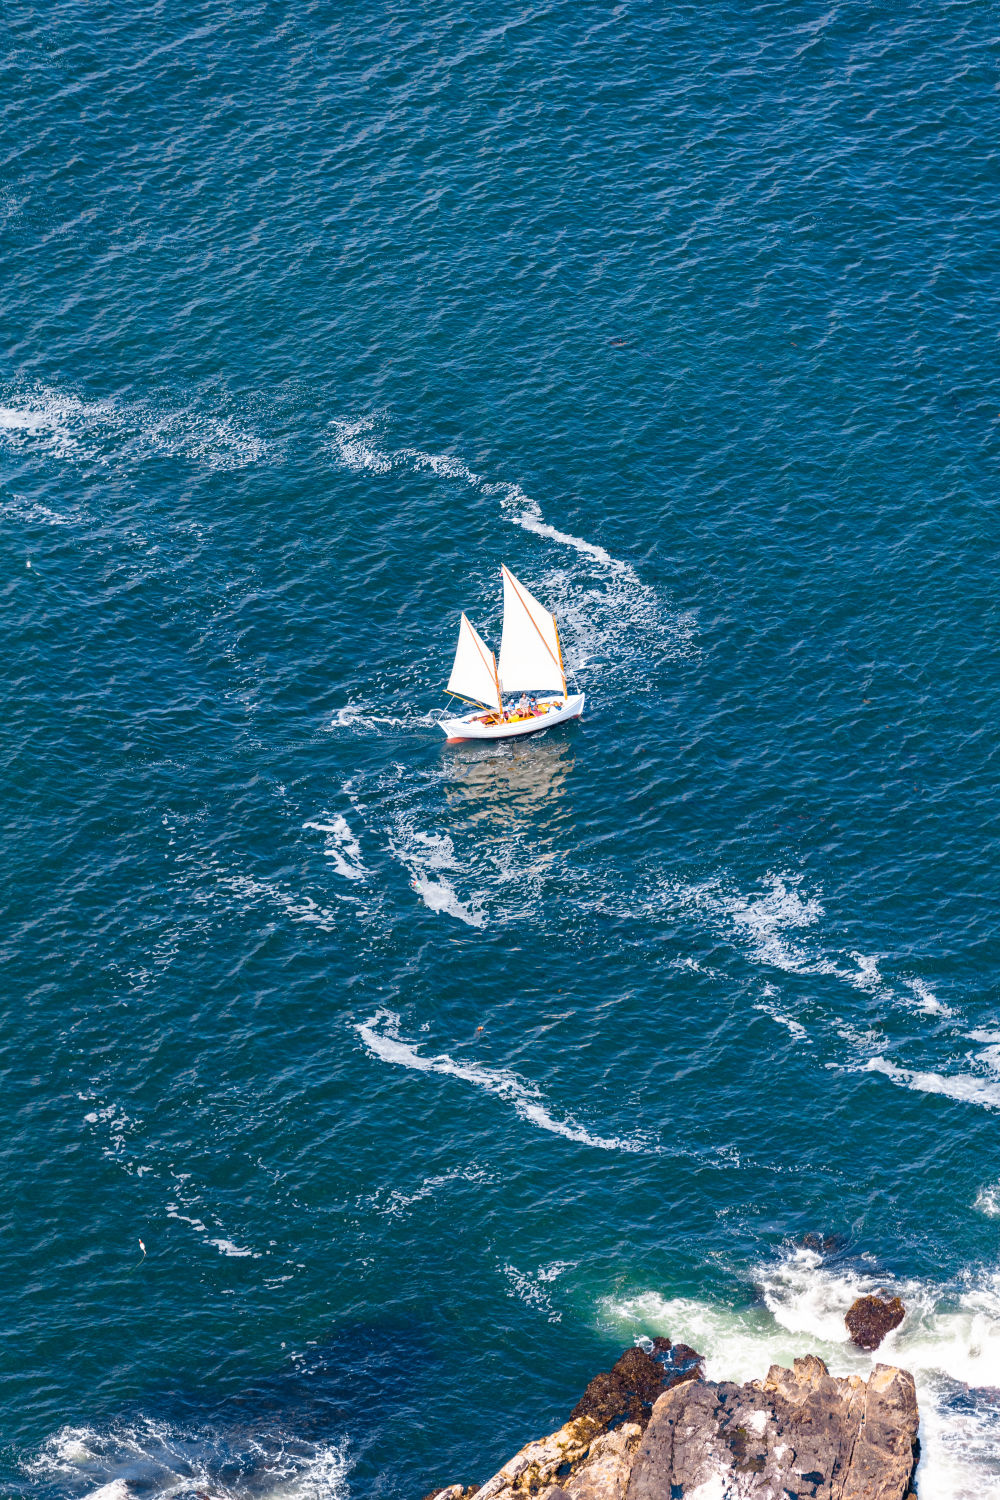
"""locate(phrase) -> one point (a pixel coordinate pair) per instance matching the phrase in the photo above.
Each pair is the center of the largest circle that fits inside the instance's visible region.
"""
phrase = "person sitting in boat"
(521, 707)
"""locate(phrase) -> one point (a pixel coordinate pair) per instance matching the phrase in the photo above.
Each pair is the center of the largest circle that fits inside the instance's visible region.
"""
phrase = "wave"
(380, 1035)
(112, 431)
(949, 1340)
(150, 1458)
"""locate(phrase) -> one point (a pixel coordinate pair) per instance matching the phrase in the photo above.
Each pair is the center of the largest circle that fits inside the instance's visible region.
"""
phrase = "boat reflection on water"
(508, 782)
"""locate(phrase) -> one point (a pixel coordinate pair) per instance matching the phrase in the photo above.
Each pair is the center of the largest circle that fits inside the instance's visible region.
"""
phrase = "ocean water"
(430, 1076)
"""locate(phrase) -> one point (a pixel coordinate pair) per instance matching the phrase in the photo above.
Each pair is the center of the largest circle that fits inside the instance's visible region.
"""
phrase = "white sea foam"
(362, 718)
(396, 1204)
(118, 1489)
(777, 926)
(950, 1339)
(297, 908)
(795, 1028)
(118, 1127)
(356, 446)
(966, 1088)
(380, 1035)
(155, 1458)
(16, 508)
(110, 431)
(189, 1199)
(342, 848)
(532, 1287)
(229, 1247)
(926, 1000)
(426, 856)
(988, 1200)
(763, 921)
(173, 1212)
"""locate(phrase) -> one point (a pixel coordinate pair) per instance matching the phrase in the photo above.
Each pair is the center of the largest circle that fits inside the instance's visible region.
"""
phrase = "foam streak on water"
(381, 1036)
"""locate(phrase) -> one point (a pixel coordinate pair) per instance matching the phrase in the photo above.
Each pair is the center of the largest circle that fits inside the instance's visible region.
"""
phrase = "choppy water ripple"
(426, 1074)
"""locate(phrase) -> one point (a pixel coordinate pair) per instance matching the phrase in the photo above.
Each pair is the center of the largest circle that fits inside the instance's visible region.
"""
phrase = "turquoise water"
(430, 1076)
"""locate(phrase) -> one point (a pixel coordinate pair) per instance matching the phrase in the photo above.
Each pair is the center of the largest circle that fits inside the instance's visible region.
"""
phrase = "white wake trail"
(381, 1036)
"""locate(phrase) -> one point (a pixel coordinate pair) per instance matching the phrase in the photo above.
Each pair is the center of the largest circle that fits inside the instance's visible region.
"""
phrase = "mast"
(562, 667)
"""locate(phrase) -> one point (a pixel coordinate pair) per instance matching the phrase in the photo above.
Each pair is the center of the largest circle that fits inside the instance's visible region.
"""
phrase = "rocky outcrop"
(798, 1433)
(652, 1428)
(869, 1319)
(579, 1462)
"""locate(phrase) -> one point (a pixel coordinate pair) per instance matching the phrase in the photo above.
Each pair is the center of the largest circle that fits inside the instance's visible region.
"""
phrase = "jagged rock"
(627, 1391)
(798, 1433)
(604, 1473)
(869, 1319)
(579, 1460)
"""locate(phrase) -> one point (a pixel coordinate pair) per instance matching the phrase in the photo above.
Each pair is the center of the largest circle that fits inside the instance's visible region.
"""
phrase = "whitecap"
(927, 1001)
(380, 1035)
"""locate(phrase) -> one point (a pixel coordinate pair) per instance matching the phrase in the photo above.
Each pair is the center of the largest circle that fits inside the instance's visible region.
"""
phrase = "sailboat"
(530, 665)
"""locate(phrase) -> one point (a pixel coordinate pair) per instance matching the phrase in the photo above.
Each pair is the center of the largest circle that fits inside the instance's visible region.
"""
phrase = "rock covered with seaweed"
(653, 1428)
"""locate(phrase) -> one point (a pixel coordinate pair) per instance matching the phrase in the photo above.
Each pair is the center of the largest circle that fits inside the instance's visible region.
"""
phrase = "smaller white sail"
(474, 674)
(530, 657)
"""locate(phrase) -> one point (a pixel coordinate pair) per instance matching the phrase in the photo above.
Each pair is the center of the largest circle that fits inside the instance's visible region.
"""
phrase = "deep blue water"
(430, 1076)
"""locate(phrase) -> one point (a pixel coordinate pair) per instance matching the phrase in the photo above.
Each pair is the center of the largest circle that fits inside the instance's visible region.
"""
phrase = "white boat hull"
(554, 711)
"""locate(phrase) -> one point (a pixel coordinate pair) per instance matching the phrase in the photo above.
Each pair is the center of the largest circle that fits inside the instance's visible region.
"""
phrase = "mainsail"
(474, 674)
(530, 656)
